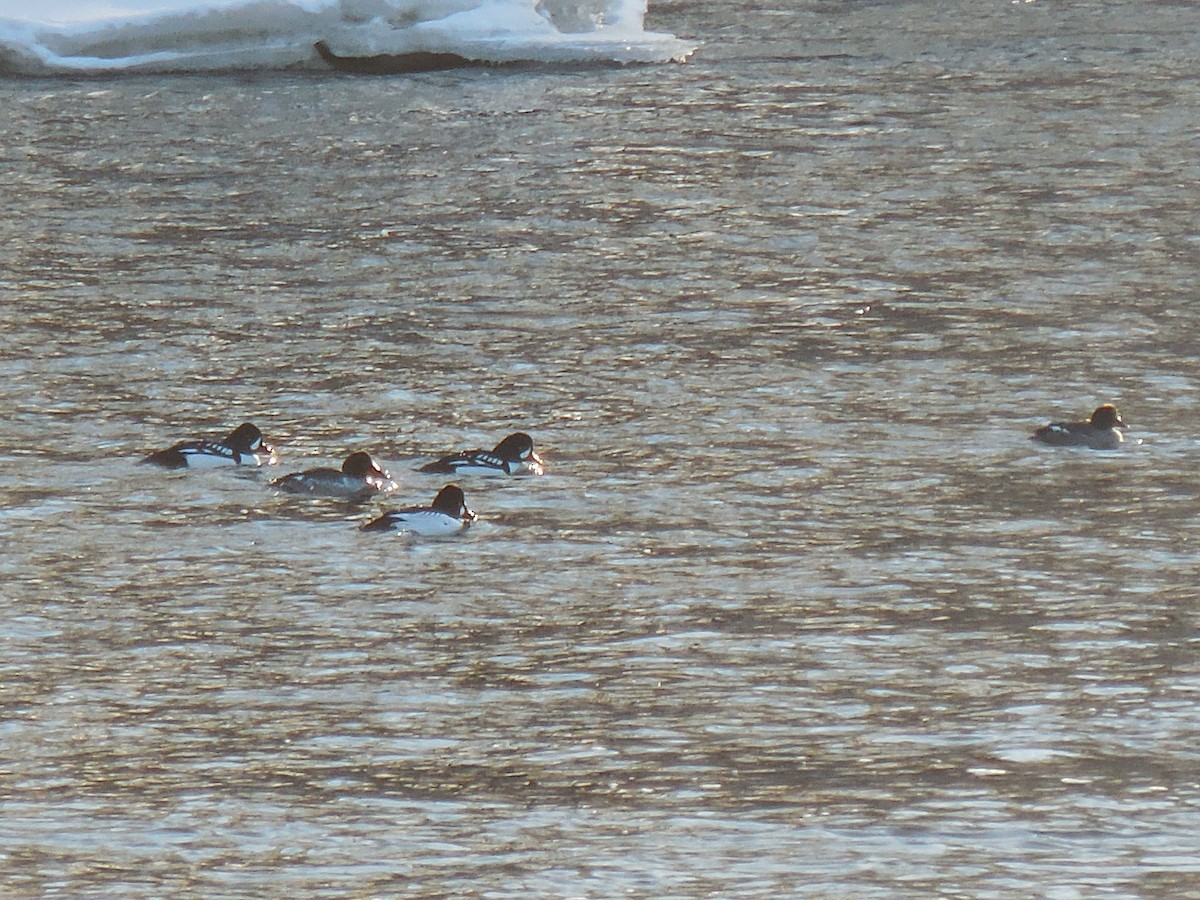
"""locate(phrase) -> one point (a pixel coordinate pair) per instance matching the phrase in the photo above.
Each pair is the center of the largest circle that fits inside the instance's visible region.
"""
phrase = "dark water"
(798, 611)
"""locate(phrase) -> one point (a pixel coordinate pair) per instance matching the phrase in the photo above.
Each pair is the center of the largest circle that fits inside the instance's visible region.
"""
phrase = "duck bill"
(468, 517)
(1120, 423)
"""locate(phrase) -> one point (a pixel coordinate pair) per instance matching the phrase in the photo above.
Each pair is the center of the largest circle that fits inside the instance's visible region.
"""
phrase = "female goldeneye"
(241, 447)
(358, 479)
(1101, 432)
(447, 515)
(512, 456)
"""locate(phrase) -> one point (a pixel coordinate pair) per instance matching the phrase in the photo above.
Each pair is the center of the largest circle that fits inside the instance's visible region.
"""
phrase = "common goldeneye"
(241, 447)
(1101, 432)
(447, 515)
(358, 479)
(512, 456)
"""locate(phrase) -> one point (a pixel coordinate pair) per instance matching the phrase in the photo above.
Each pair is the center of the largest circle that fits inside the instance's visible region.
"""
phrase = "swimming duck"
(512, 456)
(241, 447)
(358, 479)
(1101, 432)
(448, 514)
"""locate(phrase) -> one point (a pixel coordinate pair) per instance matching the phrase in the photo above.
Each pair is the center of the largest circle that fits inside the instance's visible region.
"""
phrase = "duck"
(512, 456)
(1100, 432)
(448, 514)
(358, 479)
(244, 446)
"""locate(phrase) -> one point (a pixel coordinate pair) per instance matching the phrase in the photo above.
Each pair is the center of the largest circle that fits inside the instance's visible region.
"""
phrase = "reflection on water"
(798, 607)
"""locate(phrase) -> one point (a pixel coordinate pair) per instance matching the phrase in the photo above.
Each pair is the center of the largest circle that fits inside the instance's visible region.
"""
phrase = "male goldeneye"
(1101, 432)
(512, 456)
(358, 479)
(241, 447)
(447, 515)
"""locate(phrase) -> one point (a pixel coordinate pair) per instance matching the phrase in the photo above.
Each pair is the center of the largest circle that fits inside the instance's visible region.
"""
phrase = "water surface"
(798, 610)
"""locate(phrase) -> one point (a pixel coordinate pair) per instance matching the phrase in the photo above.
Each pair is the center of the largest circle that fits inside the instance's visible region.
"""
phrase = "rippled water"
(798, 611)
